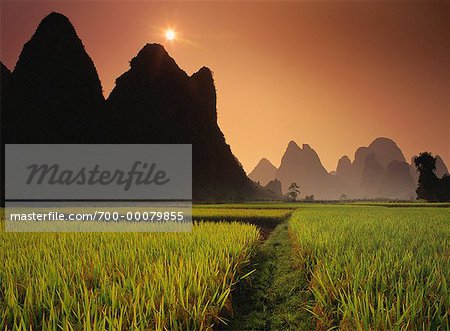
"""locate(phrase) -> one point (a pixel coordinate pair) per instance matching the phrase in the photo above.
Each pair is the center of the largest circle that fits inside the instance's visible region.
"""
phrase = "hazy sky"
(332, 74)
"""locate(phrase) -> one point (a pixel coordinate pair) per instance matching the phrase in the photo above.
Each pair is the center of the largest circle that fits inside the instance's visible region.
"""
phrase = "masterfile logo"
(98, 188)
(141, 173)
(98, 172)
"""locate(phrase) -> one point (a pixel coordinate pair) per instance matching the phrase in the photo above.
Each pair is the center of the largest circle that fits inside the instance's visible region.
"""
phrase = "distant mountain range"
(54, 95)
(377, 171)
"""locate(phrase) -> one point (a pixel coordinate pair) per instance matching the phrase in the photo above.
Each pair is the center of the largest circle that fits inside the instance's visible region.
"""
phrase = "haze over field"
(333, 74)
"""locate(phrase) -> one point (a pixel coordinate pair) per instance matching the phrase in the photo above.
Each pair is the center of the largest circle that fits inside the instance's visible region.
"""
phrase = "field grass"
(266, 216)
(404, 204)
(375, 268)
(275, 295)
(250, 205)
(122, 281)
(325, 266)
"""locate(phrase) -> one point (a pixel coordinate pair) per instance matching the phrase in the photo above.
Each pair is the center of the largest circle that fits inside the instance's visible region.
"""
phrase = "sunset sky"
(332, 74)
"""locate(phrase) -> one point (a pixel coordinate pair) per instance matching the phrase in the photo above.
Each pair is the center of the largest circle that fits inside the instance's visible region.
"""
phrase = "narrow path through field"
(275, 296)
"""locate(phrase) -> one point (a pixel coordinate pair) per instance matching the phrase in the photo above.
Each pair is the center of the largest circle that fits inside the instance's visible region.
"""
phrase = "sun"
(170, 34)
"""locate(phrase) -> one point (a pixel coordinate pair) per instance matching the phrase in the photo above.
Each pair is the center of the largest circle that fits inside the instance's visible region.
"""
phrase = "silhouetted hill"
(56, 97)
(157, 102)
(5, 76)
(344, 166)
(358, 165)
(264, 172)
(367, 176)
(303, 166)
(372, 174)
(56, 93)
(397, 181)
(156, 92)
(274, 186)
(5, 87)
(441, 168)
(5, 90)
(304, 161)
(377, 171)
(386, 151)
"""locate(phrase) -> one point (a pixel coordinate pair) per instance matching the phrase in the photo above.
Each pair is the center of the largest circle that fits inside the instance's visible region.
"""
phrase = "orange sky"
(334, 75)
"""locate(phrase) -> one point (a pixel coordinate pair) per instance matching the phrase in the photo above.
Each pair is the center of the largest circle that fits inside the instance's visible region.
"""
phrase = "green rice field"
(374, 268)
(271, 266)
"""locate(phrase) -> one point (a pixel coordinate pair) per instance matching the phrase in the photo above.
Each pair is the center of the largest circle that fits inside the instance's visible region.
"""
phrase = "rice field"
(122, 281)
(250, 205)
(375, 268)
(359, 267)
(219, 213)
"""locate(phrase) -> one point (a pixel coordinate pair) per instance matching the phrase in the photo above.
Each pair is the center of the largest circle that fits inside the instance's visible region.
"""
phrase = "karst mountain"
(378, 171)
(264, 172)
(54, 95)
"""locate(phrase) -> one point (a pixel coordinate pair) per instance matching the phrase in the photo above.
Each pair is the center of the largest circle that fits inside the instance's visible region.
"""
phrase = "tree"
(293, 192)
(430, 187)
(428, 181)
(344, 197)
(310, 198)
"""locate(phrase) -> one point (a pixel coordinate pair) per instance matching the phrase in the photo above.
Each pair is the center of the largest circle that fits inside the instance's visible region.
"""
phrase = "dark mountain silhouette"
(56, 97)
(56, 93)
(157, 102)
(264, 172)
(5, 77)
(5, 88)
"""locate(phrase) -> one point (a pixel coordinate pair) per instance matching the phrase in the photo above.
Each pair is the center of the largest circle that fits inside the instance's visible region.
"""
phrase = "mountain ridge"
(56, 88)
(377, 171)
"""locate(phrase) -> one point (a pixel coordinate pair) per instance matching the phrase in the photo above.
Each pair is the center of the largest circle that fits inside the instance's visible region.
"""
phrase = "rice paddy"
(151, 281)
(375, 268)
(349, 267)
